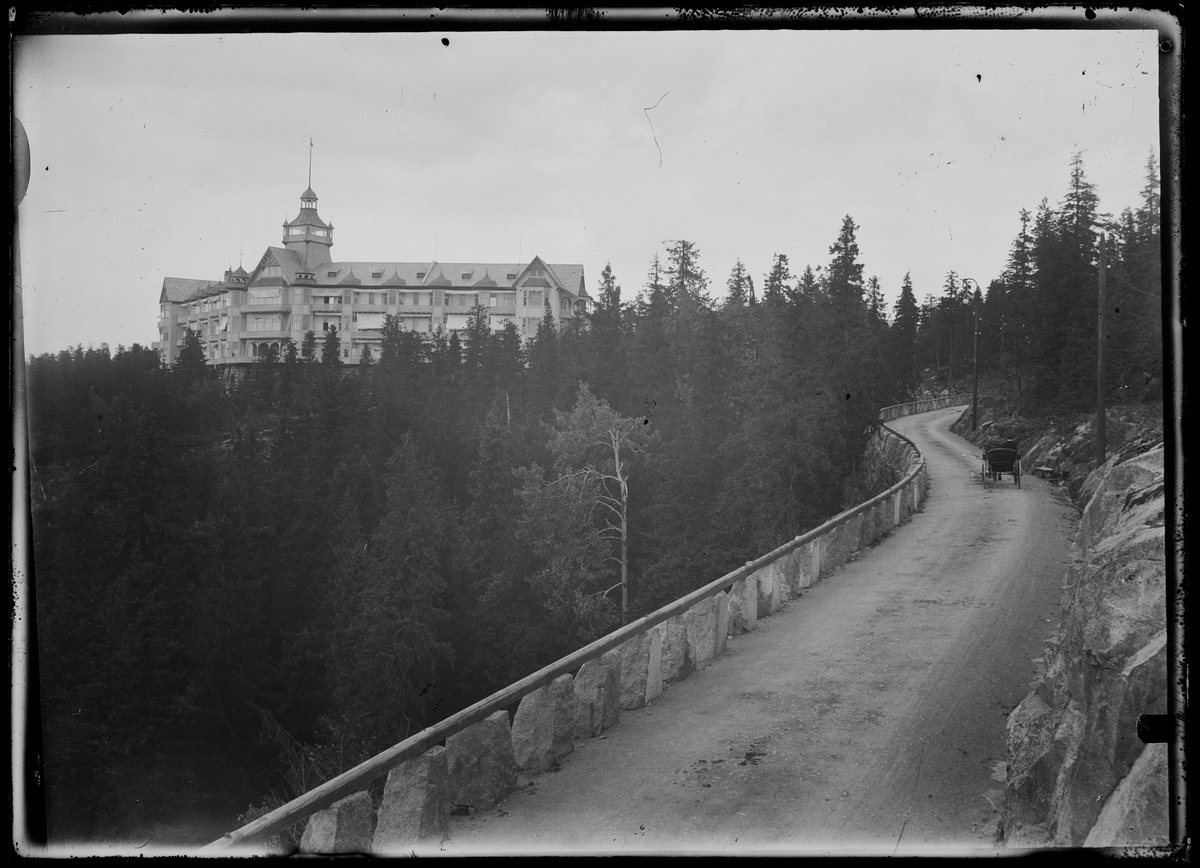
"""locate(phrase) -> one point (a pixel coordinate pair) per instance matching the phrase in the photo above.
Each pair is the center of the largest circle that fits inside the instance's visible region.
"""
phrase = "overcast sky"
(179, 155)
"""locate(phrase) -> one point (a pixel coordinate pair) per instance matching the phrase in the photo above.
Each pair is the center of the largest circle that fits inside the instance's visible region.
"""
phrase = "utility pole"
(975, 387)
(1101, 422)
(975, 361)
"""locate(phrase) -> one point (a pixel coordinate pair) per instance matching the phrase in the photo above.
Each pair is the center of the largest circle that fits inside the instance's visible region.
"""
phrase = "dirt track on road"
(867, 716)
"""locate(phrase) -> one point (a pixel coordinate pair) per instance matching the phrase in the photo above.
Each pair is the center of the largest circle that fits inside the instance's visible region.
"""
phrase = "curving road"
(867, 716)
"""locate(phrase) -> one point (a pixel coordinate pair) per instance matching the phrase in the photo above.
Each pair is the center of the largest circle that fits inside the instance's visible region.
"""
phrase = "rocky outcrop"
(1077, 772)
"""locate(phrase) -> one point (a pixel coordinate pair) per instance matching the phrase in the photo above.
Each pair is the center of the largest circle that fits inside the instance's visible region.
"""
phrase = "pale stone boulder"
(677, 662)
(807, 566)
(343, 827)
(821, 560)
(543, 729)
(767, 586)
(743, 605)
(790, 573)
(654, 678)
(481, 768)
(887, 515)
(415, 804)
(597, 695)
(839, 546)
(853, 533)
(721, 607)
(871, 526)
(635, 659)
(750, 602)
(737, 611)
(702, 633)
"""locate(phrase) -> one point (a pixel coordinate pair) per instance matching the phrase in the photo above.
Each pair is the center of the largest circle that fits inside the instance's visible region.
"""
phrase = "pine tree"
(308, 346)
(739, 286)
(331, 351)
(685, 279)
(191, 362)
(906, 320)
(776, 287)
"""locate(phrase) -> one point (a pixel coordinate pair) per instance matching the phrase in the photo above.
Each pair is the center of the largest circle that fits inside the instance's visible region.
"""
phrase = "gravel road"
(866, 717)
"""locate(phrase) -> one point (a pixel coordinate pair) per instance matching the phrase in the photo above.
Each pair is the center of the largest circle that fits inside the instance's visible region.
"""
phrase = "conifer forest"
(246, 586)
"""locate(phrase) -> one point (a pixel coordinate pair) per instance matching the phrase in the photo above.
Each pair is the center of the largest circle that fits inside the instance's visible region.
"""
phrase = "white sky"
(157, 155)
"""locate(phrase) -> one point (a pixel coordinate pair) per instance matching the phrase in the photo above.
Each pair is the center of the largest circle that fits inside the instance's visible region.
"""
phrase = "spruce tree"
(331, 348)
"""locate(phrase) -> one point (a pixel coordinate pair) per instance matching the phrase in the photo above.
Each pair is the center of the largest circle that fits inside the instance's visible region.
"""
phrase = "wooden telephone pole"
(1100, 374)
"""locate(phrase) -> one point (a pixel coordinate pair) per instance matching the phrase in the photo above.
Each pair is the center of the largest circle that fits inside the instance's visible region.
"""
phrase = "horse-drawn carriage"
(1000, 459)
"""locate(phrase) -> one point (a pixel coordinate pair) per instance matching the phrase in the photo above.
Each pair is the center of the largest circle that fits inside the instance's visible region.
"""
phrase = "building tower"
(308, 234)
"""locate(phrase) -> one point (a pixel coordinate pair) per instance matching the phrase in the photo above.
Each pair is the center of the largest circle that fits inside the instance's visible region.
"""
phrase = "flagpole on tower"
(310, 150)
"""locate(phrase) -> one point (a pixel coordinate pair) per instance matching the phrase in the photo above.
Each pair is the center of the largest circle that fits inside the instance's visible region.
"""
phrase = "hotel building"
(298, 287)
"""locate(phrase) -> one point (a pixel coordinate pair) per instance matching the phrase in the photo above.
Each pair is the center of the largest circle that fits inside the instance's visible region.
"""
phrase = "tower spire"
(310, 150)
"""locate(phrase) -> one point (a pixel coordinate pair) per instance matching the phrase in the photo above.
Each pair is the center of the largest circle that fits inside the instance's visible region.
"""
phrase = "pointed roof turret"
(308, 234)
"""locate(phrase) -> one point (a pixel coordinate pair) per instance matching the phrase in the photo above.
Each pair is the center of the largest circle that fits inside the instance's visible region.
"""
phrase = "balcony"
(336, 307)
(273, 306)
(265, 335)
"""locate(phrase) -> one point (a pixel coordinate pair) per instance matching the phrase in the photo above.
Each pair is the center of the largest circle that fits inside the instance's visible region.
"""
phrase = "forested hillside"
(248, 586)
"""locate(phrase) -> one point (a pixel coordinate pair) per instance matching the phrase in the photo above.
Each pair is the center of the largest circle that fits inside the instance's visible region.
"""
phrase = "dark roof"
(308, 217)
(182, 288)
(308, 194)
(571, 278)
(426, 274)
(288, 262)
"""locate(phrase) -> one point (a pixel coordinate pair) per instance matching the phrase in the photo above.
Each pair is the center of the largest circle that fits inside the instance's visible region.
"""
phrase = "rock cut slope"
(1078, 775)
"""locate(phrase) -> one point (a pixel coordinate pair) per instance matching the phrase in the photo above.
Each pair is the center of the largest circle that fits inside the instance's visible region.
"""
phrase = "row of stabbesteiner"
(479, 765)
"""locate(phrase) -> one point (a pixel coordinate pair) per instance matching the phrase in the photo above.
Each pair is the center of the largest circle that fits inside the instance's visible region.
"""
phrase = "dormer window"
(466, 275)
(512, 276)
(420, 274)
(331, 274)
(376, 274)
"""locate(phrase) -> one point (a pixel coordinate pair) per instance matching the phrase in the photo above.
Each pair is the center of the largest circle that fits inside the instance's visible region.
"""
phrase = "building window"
(466, 275)
(263, 324)
(420, 274)
(564, 304)
(512, 276)
(376, 274)
(332, 274)
(270, 271)
(274, 295)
